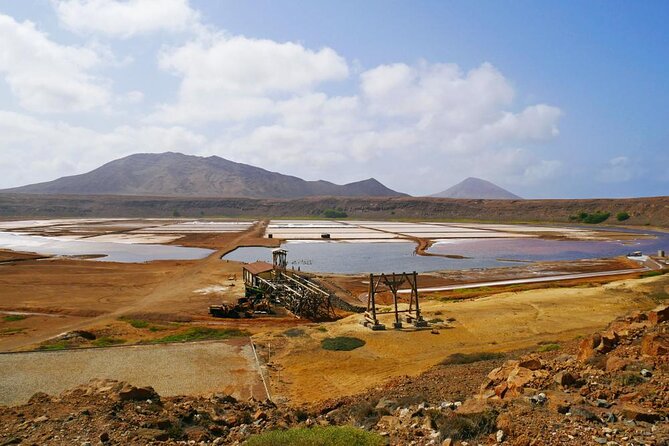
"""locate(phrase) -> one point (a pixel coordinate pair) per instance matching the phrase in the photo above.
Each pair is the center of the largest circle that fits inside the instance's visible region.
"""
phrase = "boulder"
(586, 348)
(473, 406)
(639, 413)
(532, 363)
(564, 379)
(131, 393)
(609, 340)
(615, 363)
(655, 344)
(659, 314)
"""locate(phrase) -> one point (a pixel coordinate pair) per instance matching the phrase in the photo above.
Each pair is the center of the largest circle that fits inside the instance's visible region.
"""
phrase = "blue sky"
(548, 99)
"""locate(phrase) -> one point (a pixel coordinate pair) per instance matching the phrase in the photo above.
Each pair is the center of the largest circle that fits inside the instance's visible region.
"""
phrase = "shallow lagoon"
(111, 252)
(353, 258)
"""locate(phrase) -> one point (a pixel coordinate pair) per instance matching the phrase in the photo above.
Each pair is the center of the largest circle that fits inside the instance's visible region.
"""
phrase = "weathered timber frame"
(393, 282)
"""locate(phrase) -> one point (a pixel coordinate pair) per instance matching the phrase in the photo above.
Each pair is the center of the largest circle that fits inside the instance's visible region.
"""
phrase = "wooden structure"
(298, 293)
(392, 282)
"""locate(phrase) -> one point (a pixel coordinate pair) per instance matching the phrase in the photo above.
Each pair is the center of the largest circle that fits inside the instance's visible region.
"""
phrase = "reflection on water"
(112, 252)
(351, 258)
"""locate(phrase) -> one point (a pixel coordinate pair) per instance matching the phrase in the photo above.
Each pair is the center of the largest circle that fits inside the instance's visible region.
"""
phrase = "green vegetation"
(59, 345)
(342, 343)
(141, 323)
(548, 348)
(317, 436)
(202, 334)
(334, 213)
(653, 273)
(436, 320)
(622, 216)
(107, 341)
(594, 218)
(468, 358)
(11, 331)
(14, 317)
(294, 333)
(631, 379)
(481, 289)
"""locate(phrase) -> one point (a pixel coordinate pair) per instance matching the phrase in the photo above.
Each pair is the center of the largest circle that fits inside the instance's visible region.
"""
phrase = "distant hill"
(477, 188)
(176, 175)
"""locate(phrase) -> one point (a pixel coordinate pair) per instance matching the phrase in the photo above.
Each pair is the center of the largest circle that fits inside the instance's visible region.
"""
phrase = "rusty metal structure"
(295, 291)
(392, 282)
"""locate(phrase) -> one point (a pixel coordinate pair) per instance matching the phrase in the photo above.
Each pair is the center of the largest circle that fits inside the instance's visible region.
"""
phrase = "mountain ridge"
(476, 188)
(172, 174)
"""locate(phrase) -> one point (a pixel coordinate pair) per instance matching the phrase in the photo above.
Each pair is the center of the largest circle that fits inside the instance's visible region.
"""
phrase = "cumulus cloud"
(124, 19)
(237, 78)
(46, 76)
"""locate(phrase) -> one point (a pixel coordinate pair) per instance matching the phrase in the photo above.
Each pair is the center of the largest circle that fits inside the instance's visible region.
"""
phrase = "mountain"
(477, 188)
(175, 174)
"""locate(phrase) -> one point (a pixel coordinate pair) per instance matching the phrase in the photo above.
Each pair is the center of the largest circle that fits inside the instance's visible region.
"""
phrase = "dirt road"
(222, 366)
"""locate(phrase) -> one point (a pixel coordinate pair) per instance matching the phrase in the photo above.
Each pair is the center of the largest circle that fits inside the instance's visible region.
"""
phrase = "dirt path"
(177, 369)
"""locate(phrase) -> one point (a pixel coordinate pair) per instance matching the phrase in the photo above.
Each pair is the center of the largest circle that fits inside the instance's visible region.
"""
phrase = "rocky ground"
(611, 388)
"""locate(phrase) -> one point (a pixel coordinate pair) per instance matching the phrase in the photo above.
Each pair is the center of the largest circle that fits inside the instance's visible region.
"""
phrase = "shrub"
(294, 333)
(548, 348)
(202, 334)
(317, 436)
(107, 341)
(465, 427)
(468, 358)
(14, 317)
(622, 216)
(342, 343)
(334, 213)
(631, 379)
(136, 323)
(593, 218)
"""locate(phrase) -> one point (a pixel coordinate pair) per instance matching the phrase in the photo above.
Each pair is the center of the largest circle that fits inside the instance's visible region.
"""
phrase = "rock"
(150, 434)
(615, 363)
(608, 341)
(638, 413)
(259, 415)
(602, 403)
(385, 403)
(646, 373)
(532, 363)
(388, 423)
(104, 437)
(584, 413)
(538, 399)
(472, 406)
(599, 440)
(659, 314)
(586, 348)
(655, 344)
(132, 393)
(41, 419)
(499, 436)
(447, 442)
(564, 379)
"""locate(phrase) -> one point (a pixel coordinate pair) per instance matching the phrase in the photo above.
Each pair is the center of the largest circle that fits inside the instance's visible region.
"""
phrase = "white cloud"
(125, 19)
(41, 150)
(46, 76)
(619, 170)
(236, 78)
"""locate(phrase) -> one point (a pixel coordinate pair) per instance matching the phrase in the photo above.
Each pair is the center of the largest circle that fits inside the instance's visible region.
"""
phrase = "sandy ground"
(227, 367)
(302, 371)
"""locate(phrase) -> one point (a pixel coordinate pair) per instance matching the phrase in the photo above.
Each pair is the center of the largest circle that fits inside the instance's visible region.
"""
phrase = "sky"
(564, 99)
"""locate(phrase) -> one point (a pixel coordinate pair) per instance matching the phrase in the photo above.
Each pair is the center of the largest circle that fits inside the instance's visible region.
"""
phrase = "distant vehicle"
(635, 254)
(325, 235)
